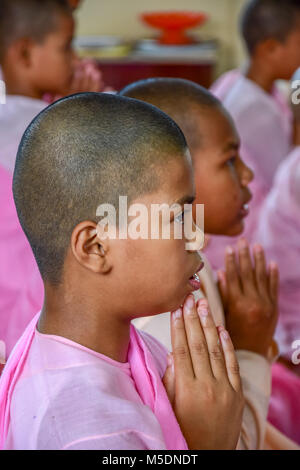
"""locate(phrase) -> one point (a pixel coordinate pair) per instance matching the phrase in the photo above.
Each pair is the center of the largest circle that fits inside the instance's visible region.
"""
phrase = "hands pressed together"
(249, 292)
(202, 378)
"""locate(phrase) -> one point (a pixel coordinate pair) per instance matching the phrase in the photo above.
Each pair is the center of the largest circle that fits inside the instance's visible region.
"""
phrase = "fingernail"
(203, 302)
(190, 302)
(242, 243)
(273, 265)
(257, 248)
(203, 310)
(224, 335)
(229, 250)
(177, 314)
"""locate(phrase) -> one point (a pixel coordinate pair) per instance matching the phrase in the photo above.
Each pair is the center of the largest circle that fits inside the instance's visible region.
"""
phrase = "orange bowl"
(173, 24)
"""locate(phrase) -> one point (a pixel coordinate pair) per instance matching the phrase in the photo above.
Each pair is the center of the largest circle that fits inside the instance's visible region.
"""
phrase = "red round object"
(174, 24)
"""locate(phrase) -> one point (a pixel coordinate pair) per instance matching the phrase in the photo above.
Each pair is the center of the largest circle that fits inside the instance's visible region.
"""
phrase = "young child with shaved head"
(261, 112)
(36, 58)
(248, 291)
(81, 376)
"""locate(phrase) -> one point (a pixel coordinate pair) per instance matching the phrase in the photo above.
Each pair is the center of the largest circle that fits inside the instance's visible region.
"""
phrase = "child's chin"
(237, 230)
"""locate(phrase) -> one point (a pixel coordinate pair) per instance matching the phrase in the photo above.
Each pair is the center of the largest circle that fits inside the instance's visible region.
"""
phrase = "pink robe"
(71, 397)
(21, 287)
(284, 410)
(279, 232)
(264, 124)
(15, 116)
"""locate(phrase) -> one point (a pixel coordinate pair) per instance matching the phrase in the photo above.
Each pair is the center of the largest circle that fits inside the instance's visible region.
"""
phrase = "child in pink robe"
(280, 222)
(278, 230)
(260, 111)
(208, 128)
(28, 90)
(82, 344)
(50, 69)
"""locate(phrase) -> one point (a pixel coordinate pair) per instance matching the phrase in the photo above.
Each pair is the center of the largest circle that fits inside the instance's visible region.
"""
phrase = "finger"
(246, 268)
(94, 79)
(169, 378)
(213, 342)
(75, 85)
(97, 84)
(222, 287)
(196, 338)
(261, 276)
(181, 354)
(232, 365)
(86, 82)
(232, 276)
(273, 281)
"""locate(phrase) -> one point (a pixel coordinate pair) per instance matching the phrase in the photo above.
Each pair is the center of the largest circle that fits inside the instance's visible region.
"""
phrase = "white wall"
(120, 17)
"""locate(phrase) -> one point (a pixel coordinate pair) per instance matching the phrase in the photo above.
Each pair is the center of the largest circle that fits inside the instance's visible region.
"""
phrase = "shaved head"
(83, 151)
(33, 19)
(268, 19)
(181, 99)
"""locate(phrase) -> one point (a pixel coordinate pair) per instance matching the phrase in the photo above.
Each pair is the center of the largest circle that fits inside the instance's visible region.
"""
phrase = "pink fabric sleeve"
(295, 183)
(128, 440)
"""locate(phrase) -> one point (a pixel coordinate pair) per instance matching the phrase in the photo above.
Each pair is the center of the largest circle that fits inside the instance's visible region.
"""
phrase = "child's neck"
(85, 321)
(260, 75)
(15, 85)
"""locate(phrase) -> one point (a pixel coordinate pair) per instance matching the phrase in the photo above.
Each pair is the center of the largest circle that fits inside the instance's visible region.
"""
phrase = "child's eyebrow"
(234, 145)
(186, 200)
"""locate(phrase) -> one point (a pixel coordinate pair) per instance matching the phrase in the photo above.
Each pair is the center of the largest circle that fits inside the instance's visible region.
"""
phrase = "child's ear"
(270, 47)
(22, 49)
(89, 249)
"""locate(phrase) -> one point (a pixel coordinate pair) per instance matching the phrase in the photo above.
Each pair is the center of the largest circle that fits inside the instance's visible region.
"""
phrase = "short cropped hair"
(28, 18)
(266, 19)
(82, 151)
(181, 99)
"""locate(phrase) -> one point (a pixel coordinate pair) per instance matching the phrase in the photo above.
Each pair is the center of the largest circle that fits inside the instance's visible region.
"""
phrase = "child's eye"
(231, 161)
(180, 218)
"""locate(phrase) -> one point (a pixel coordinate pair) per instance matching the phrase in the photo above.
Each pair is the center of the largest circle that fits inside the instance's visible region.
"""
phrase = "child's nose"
(196, 239)
(247, 174)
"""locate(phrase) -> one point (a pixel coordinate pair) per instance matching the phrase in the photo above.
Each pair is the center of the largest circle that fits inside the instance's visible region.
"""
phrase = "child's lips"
(245, 209)
(194, 280)
(244, 212)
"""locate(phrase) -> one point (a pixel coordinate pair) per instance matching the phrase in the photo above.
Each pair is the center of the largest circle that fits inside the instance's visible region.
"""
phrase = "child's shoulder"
(80, 402)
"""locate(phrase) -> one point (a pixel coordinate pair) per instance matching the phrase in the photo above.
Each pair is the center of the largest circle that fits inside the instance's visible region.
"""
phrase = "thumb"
(169, 378)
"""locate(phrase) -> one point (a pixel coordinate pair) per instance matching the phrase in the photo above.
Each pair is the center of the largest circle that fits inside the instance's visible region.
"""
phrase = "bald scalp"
(82, 151)
(183, 100)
